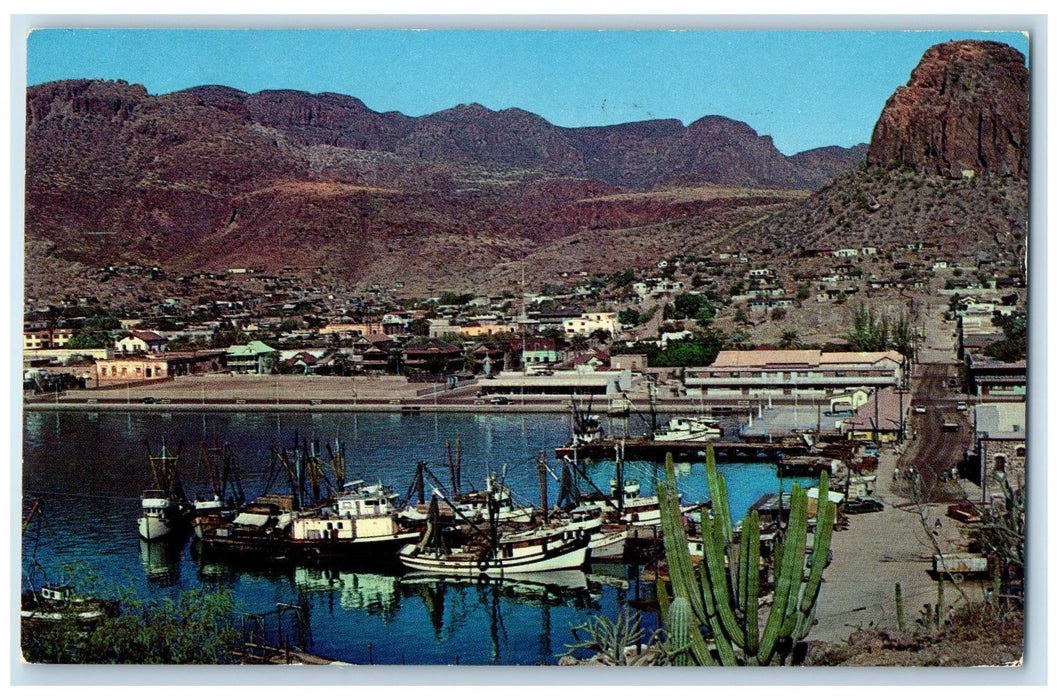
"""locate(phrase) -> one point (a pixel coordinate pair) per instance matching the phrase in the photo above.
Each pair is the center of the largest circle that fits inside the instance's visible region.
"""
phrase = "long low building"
(805, 373)
(567, 383)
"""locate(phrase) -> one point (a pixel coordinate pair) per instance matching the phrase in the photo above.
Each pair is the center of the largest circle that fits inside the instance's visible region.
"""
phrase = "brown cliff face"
(966, 107)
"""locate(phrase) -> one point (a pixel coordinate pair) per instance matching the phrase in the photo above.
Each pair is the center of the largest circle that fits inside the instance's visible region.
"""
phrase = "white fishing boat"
(362, 521)
(607, 539)
(165, 508)
(626, 505)
(524, 552)
(474, 506)
(162, 515)
(221, 505)
(690, 429)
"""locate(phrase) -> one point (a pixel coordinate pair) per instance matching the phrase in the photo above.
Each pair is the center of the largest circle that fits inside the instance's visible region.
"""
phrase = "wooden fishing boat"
(260, 530)
(166, 510)
(606, 538)
(529, 551)
(360, 524)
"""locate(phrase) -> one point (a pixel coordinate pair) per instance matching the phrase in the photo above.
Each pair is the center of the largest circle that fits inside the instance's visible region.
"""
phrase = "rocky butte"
(965, 108)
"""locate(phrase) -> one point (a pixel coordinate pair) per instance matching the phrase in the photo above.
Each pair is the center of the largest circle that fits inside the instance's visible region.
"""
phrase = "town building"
(128, 369)
(560, 383)
(432, 356)
(45, 338)
(195, 362)
(139, 342)
(588, 323)
(634, 362)
(788, 373)
(994, 378)
(542, 351)
(881, 418)
(252, 358)
(1000, 442)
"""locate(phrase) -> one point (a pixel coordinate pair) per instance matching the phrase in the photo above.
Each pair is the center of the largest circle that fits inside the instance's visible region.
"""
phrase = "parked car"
(499, 401)
(920, 409)
(961, 406)
(863, 505)
(149, 399)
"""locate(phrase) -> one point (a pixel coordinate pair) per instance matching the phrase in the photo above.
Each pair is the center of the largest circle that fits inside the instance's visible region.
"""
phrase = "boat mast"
(542, 473)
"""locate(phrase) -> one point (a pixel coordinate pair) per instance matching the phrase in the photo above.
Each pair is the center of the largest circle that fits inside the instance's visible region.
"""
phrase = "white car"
(961, 406)
(920, 409)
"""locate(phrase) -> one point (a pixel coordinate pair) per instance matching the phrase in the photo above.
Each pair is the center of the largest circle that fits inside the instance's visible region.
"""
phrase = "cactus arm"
(678, 620)
(718, 580)
(743, 568)
(664, 601)
(820, 550)
(718, 493)
(789, 575)
(799, 537)
(751, 538)
(723, 645)
(681, 572)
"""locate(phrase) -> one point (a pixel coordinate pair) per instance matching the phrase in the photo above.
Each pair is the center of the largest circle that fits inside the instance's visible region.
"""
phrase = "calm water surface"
(89, 468)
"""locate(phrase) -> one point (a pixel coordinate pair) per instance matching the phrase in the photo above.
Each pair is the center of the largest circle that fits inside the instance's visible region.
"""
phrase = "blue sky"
(806, 89)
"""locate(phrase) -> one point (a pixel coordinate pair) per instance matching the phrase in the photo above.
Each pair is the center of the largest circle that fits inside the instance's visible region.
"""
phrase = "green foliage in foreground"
(195, 628)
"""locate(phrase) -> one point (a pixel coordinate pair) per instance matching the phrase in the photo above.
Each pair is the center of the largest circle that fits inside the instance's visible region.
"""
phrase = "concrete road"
(879, 550)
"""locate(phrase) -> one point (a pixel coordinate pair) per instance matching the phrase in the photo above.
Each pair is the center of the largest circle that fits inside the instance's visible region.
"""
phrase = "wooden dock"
(655, 450)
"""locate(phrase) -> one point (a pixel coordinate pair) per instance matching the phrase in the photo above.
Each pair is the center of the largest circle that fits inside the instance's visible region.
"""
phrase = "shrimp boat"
(166, 509)
(494, 555)
(259, 531)
(475, 505)
(361, 522)
(222, 505)
(606, 536)
(530, 551)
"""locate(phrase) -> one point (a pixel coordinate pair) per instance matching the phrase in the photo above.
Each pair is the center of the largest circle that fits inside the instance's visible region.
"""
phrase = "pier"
(655, 450)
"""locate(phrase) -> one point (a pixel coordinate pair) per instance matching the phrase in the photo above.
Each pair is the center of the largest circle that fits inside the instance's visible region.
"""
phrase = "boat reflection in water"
(358, 590)
(161, 560)
(498, 598)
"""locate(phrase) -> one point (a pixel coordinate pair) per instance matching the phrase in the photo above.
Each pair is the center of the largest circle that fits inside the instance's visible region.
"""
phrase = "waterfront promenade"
(246, 392)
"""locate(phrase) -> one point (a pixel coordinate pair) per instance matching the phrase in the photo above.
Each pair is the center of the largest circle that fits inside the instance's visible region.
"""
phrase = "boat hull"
(362, 550)
(569, 555)
(152, 529)
(254, 547)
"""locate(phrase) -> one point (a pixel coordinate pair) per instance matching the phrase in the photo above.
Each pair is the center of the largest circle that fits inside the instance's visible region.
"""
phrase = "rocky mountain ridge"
(213, 177)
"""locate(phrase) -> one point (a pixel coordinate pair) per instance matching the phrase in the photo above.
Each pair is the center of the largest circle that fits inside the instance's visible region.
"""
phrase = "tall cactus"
(899, 607)
(722, 592)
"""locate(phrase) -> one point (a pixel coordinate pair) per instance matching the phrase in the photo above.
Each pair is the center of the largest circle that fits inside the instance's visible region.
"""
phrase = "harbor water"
(88, 469)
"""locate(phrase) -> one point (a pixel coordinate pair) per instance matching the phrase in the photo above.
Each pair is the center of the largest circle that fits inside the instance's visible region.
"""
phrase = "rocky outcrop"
(965, 108)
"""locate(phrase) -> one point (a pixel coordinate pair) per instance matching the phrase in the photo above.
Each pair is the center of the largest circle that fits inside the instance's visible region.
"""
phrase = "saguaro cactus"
(722, 592)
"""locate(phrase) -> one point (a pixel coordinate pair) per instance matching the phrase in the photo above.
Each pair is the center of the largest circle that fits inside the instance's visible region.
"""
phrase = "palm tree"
(791, 339)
